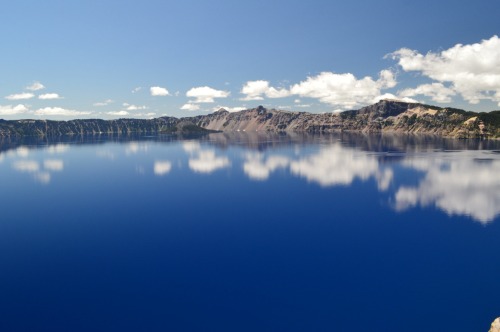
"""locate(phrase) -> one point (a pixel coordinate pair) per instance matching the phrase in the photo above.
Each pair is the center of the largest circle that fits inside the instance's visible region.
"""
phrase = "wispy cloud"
(103, 103)
(52, 111)
(48, 96)
(130, 107)
(35, 86)
(20, 96)
(118, 113)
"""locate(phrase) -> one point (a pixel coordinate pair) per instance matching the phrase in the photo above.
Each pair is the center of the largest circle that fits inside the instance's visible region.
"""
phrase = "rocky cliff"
(384, 116)
(96, 126)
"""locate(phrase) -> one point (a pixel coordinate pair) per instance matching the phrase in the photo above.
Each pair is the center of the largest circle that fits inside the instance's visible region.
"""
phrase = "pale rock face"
(495, 326)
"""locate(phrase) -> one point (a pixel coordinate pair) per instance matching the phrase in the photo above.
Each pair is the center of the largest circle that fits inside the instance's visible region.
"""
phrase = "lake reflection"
(249, 232)
(458, 182)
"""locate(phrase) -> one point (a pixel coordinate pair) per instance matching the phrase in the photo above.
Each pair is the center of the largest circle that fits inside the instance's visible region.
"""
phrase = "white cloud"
(157, 91)
(229, 109)
(190, 107)
(135, 90)
(454, 185)
(256, 90)
(50, 111)
(148, 115)
(134, 107)
(54, 165)
(162, 167)
(390, 96)
(473, 70)
(20, 96)
(103, 103)
(48, 96)
(118, 113)
(35, 86)
(205, 94)
(437, 91)
(11, 110)
(344, 90)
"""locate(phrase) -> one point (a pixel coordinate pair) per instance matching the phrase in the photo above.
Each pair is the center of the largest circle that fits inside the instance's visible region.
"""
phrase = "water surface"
(249, 232)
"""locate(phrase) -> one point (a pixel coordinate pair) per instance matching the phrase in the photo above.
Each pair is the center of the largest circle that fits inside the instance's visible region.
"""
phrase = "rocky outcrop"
(384, 116)
(95, 126)
(495, 326)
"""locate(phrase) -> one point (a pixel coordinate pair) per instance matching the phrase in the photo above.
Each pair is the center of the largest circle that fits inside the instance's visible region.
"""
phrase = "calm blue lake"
(249, 232)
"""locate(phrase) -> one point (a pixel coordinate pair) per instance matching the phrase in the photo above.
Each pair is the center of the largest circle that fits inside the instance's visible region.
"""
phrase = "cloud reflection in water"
(204, 160)
(458, 186)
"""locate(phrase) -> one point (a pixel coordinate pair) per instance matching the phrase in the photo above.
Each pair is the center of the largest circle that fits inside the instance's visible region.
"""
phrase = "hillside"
(384, 116)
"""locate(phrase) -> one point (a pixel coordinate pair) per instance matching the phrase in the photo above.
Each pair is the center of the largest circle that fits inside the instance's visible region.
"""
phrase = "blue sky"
(110, 59)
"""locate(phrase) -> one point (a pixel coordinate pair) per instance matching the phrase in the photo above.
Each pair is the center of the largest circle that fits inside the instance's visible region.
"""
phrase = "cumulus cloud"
(103, 103)
(472, 70)
(205, 94)
(157, 91)
(35, 86)
(135, 90)
(48, 96)
(20, 96)
(11, 110)
(51, 111)
(257, 90)
(162, 167)
(190, 107)
(436, 91)
(344, 91)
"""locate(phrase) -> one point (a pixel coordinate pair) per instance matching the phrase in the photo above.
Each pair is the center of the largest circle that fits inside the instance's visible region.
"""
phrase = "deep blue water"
(249, 232)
